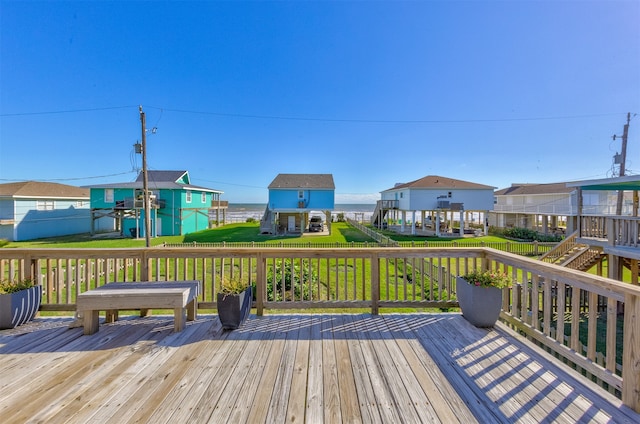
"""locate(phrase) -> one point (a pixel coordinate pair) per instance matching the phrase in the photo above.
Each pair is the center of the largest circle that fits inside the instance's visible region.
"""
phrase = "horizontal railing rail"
(579, 317)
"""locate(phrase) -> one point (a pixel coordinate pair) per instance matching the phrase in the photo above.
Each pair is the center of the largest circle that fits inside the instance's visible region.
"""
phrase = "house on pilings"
(177, 206)
(430, 205)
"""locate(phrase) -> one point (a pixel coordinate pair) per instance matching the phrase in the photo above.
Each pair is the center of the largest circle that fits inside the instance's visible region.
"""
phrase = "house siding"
(317, 199)
(66, 218)
(417, 199)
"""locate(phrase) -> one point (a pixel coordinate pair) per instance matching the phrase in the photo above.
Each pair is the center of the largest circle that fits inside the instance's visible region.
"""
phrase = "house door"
(291, 223)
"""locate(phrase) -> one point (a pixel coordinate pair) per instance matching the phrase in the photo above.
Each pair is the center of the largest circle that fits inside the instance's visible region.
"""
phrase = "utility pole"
(145, 183)
(623, 161)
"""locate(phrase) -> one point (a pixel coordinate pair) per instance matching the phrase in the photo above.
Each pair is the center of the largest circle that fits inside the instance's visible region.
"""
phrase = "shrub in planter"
(234, 303)
(19, 302)
(480, 296)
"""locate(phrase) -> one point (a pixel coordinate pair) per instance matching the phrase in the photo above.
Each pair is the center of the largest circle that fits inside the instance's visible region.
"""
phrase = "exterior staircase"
(381, 210)
(266, 223)
(571, 254)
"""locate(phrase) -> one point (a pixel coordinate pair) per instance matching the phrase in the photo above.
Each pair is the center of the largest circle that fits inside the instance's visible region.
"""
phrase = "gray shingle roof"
(163, 176)
(43, 189)
(293, 181)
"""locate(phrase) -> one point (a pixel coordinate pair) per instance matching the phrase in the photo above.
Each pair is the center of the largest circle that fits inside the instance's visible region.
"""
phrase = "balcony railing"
(579, 317)
(621, 231)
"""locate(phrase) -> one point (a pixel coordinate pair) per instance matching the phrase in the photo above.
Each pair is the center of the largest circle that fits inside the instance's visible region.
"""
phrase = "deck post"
(631, 353)
(261, 283)
(375, 283)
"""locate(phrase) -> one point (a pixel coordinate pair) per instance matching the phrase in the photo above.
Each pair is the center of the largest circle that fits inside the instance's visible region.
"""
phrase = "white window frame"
(203, 197)
(188, 196)
(45, 205)
(300, 194)
(108, 195)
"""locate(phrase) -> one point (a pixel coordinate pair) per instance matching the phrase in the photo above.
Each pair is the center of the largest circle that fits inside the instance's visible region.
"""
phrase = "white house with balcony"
(547, 208)
(431, 203)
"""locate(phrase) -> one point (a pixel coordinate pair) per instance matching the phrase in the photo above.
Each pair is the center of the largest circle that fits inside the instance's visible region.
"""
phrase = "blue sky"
(375, 93)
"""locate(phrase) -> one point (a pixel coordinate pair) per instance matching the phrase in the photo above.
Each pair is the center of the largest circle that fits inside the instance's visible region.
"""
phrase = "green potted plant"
(479, 294)
(234, 302)
(19, 302)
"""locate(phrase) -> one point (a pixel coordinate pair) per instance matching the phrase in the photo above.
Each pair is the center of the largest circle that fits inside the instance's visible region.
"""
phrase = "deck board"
(290, 368)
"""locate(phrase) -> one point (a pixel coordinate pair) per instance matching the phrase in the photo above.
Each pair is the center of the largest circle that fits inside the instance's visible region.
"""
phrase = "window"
(108, 195)
(188, 196)
(79, 204)
(203, 197)
(45, 205)
(300, 194)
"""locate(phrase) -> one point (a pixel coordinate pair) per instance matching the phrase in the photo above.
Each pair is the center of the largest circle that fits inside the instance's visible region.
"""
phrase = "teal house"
(294, 198)
(177, 206)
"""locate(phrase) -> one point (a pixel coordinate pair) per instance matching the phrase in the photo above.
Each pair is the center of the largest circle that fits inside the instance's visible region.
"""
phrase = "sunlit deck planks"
(284, 368)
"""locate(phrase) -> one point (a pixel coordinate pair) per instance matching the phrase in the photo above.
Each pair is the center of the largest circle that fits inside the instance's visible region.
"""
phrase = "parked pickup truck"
(315, 224)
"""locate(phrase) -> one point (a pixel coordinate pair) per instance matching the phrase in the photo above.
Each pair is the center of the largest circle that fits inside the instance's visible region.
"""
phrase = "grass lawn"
(240, 232)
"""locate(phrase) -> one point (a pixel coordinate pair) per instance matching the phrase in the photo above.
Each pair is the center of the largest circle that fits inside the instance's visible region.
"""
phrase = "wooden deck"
(289, 368)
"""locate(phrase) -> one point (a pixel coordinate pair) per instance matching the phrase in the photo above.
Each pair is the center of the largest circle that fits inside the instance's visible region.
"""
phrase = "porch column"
(404, 220)
(461, 213)
(437, 224)
(486, 223)
(413, 222)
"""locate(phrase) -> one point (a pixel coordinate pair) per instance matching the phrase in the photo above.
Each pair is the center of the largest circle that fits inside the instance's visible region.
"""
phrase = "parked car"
(315, 224)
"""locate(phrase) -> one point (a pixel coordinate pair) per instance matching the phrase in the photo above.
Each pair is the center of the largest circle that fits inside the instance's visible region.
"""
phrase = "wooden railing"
(621, 231)
(574, 315)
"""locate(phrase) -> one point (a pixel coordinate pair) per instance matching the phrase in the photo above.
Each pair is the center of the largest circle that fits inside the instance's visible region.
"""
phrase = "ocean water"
(239, 212)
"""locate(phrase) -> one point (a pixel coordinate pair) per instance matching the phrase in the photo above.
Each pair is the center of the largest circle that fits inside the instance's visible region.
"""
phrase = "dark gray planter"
(480, 305)
(19, 307)
(234, 309)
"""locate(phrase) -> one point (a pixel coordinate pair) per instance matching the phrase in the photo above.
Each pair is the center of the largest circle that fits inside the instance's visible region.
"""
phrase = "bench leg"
(91, 321)
(192, 310)
(145, 312)
(111, 315)
(179, 318)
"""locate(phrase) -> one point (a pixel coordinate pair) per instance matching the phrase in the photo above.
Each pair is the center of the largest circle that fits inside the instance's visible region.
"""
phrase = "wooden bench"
(181, 296)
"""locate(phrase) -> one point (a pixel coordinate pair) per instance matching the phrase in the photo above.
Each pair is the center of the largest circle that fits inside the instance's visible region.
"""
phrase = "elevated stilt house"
(546, 208)
(609, 223)
(292, 200)
(177, 206)
(431, 203)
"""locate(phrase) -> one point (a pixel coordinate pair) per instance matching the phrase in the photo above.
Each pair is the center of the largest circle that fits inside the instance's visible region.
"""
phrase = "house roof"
(42, 189)
(438, 182)
(627, 182)
(296, 181)
(528, 189)
(164, 176)
(160, 180)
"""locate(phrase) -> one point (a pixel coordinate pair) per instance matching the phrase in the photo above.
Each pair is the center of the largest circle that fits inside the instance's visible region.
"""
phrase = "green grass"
(233, 233)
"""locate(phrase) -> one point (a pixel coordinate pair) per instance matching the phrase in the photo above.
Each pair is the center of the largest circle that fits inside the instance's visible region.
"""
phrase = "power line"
(382, 121)
(72, 179)
(316, 119)
(64, 111)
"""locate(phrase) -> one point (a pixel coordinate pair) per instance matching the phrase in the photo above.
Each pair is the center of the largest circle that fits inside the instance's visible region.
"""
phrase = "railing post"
(375, 283)
(261, 283)
(144, 266)
(631, 353)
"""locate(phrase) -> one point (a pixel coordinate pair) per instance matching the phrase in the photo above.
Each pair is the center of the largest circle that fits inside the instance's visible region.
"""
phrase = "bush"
(286, 272)
(524, 234)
